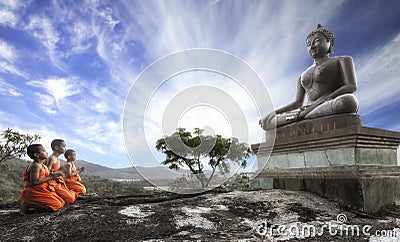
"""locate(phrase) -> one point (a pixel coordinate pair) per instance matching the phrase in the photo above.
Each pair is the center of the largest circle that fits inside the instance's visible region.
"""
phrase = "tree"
(14, 145)
(194, 151)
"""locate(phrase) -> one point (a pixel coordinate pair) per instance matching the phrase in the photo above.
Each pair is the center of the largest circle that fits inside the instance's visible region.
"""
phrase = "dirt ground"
(269, 215)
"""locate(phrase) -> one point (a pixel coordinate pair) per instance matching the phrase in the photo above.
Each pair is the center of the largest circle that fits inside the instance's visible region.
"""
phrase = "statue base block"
(335, 157)
(366, 188)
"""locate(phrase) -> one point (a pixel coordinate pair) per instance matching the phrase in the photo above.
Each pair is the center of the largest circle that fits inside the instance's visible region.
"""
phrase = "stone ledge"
(333, 172)
(332, 157)
(317, 126)
(291, 139)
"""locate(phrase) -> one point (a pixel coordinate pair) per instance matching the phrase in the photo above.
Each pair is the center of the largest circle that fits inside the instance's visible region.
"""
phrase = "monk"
(54, 165)
(37, 192)
(72, 178)
(328, 83)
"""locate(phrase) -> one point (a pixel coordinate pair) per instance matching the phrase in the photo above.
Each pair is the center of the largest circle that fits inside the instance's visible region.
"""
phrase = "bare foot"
(23, 208)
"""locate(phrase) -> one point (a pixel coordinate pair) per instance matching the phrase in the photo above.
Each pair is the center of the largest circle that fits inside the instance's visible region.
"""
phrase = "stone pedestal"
(337, 158)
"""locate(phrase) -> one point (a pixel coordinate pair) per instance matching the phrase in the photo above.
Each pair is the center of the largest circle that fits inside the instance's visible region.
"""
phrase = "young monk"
(37, 192)
(53, 163)
(72, 178)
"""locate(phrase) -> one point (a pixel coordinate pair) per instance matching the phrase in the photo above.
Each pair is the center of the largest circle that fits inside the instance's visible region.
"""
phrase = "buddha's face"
(318, 46)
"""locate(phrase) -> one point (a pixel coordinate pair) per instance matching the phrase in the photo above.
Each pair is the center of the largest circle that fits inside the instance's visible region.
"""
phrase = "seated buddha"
(328, 84)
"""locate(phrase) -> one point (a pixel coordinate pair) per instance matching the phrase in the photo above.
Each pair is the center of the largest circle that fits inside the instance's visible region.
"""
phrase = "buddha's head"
(321, 33)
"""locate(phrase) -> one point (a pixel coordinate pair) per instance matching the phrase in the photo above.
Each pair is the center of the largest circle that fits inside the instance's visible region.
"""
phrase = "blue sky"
(67, 67)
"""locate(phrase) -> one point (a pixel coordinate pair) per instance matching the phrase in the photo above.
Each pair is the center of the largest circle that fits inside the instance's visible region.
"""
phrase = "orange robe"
(41, 194)
(60, 186)
(74, 182)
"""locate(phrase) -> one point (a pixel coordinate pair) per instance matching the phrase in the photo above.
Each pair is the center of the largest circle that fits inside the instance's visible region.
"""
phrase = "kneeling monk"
(37, 192)
(72, 178)
(53, 162)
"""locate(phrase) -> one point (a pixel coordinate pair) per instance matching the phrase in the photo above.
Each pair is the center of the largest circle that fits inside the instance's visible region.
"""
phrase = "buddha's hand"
(312, 106)
(302, 114)
(81, 169)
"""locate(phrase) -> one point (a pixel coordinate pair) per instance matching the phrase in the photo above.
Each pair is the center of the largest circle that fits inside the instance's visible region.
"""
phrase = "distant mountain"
(107, 172)
(150, 173)
(158, 172)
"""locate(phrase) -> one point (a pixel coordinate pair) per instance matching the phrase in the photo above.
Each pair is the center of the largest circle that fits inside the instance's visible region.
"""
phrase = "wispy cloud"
(13, 5)
(46, 103)
(41, 28)
(9, 59)
(7, 16)
(58, 88)
(379, 87)
(7, 52)
(6, 67)
(8, 89)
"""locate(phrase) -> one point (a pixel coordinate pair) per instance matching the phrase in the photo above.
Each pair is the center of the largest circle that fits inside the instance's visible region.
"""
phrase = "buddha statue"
(329, 84)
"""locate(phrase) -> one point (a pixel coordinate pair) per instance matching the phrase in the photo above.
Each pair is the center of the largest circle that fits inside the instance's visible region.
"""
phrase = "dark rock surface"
(208, 216)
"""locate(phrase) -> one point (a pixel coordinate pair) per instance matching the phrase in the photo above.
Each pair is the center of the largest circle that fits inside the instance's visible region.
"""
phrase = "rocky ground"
(227, 216)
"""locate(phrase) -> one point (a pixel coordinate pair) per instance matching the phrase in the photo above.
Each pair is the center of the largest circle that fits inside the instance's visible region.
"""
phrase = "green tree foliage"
(11, 182)
(195, 151)
(14, 145)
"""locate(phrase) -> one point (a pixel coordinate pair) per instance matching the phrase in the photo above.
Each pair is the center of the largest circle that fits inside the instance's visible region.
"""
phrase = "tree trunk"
(211, 176)
(203, 179)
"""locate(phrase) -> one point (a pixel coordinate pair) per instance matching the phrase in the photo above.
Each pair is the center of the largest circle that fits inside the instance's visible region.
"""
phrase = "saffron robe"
(74, 182)
(40, 194)
(60, 186)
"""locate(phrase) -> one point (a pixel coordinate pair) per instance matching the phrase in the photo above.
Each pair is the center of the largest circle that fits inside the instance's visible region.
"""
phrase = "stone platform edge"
(353, 136)
(355, 171)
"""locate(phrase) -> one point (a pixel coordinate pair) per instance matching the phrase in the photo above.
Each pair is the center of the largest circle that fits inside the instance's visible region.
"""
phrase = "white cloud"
(58, 88)
(7, 51)
(105, 14)
(12, 4)
(7, 18)
(41, 28)
(81, 34)
(378, 77)
(7, 89)
(46, 103)
(100, 131)
(90, 146)
(101, 99)
(8, 68)
(8, 59)
(47, 135)
(101, 107)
